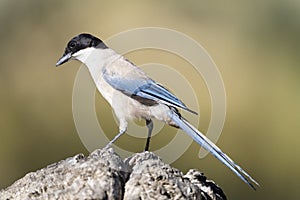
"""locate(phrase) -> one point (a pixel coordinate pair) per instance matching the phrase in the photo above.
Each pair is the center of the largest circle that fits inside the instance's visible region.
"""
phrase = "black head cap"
(83, 41)
(78, 43)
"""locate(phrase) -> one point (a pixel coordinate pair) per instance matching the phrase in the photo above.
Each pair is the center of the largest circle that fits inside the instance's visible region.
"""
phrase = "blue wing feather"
(146, 89)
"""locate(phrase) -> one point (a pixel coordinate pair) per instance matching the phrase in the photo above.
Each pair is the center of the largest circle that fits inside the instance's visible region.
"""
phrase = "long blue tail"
(212, 148)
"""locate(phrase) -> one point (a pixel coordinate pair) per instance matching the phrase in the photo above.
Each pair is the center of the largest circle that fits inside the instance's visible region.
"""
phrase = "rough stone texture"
(103, 175)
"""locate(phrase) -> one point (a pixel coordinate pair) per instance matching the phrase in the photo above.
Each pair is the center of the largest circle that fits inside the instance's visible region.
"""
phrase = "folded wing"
(145, 90)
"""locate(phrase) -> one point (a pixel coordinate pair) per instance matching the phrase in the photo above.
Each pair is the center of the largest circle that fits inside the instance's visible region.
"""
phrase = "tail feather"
(212, 148)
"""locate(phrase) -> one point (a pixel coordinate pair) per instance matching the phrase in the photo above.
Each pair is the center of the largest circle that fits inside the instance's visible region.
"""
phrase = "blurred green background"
(255, 44)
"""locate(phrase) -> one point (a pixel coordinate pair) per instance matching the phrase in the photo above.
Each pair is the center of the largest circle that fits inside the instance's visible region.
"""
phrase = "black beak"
(63, 59)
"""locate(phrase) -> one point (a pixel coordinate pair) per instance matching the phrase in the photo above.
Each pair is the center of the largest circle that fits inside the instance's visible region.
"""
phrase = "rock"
(103, 175)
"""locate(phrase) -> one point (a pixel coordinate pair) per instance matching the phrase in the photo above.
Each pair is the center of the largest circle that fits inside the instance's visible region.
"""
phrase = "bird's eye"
(72, 45)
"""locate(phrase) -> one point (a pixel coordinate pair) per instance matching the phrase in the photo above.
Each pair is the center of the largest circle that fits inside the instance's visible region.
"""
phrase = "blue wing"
(145, 90)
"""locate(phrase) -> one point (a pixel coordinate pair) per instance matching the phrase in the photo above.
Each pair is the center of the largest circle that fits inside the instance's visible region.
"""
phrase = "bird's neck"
(96, 59)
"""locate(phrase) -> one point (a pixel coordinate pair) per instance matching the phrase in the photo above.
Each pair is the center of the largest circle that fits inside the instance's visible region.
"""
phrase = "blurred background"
(255, 45)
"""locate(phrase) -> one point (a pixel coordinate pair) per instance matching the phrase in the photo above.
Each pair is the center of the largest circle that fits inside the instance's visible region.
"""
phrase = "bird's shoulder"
(124, 68)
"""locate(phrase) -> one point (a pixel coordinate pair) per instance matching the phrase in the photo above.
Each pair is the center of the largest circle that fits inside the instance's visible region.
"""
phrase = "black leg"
(149, 124)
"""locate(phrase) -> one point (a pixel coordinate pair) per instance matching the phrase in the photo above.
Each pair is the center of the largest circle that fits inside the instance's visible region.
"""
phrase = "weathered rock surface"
(104, 175)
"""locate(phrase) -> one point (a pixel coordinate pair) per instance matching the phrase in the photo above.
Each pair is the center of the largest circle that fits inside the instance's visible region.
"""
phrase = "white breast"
(100, 60)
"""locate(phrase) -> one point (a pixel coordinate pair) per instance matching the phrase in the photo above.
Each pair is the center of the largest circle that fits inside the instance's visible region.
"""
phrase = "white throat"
(95, 59)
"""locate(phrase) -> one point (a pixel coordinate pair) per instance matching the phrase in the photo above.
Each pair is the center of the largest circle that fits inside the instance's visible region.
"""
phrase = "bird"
(132, 94)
